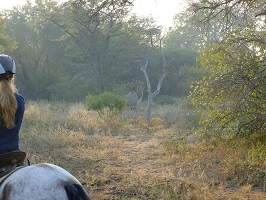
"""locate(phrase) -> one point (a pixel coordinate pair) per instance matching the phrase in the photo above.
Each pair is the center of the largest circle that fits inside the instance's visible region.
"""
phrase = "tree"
(93, 26)
(152, 95)
(233, 94)
(181, 64)
(227, 10)
(38, 52)
(7, 43)
(183, 43)
(133, 43)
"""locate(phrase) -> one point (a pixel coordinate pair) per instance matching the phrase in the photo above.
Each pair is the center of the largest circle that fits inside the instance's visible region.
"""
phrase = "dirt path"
(138, 167)
(147, 156)
(133, 167)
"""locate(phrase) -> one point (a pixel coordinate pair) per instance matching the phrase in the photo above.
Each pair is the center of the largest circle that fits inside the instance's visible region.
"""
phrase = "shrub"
(107, 101)
(165, 100)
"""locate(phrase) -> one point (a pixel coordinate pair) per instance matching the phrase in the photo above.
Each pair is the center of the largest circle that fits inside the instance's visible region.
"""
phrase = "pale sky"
(162, 10)
(8, 4)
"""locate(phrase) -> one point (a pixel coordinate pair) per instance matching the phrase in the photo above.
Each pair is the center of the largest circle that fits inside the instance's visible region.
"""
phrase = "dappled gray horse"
(41, 182)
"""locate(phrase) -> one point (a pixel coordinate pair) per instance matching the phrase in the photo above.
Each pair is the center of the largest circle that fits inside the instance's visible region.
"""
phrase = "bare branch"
(227, 9)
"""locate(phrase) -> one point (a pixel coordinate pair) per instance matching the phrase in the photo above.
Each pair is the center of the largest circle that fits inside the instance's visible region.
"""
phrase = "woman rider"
(12, 106)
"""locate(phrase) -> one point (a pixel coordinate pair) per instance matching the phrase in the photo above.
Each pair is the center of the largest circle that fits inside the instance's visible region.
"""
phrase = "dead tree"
(151, 94)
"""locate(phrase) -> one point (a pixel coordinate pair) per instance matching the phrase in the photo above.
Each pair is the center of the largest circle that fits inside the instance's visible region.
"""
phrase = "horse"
(43, 181)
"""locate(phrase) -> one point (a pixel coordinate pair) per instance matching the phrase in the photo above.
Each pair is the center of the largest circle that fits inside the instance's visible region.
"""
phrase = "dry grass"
(125, 158)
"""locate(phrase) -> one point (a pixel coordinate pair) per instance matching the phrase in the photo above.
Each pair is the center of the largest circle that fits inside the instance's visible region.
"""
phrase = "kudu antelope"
(133, 99)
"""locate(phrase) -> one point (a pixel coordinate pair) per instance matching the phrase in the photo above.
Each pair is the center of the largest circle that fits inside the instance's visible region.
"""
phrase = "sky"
(162, 10)
(6, 4)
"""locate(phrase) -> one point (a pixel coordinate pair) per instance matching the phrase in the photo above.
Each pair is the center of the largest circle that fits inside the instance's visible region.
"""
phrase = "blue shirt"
(9, 138)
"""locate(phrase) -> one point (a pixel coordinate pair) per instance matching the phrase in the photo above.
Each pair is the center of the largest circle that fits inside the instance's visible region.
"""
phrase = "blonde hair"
(8, 102)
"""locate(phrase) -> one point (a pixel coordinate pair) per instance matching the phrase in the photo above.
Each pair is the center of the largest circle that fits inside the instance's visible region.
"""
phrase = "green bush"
(165, 100)
(109, 101)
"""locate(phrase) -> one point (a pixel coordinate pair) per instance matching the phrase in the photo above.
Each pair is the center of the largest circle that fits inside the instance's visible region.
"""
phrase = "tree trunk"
(148, 110)
(156, 92)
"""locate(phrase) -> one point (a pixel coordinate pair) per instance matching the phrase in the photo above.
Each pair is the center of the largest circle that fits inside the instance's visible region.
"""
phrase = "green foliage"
(60, 53)
(39, 55)
(71, 89)
(7, 43)
(123, 88)
(165, 100)
(107, 100)
(181, 63)
(232, 97)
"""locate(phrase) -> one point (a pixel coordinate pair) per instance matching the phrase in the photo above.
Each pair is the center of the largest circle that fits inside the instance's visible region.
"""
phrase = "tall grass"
(125, 158)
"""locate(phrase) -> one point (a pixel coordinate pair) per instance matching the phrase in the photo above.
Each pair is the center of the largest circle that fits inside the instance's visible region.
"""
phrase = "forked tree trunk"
(151, 95)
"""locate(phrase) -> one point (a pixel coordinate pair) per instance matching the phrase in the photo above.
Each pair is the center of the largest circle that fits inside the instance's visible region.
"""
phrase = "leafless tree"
(151, 94)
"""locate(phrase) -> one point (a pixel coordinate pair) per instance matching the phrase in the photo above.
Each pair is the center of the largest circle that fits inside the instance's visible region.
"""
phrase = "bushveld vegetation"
(125, 158)
(206, 138)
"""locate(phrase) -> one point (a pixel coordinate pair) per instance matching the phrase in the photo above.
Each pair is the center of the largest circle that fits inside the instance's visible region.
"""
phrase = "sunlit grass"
(126, 158)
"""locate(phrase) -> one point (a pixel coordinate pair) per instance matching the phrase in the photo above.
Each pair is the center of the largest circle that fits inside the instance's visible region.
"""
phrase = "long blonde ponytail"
(8, 102)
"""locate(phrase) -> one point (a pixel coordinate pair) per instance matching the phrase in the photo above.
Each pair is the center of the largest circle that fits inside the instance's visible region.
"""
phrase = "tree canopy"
(7, 43)
(232, 95)
(65, 51)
